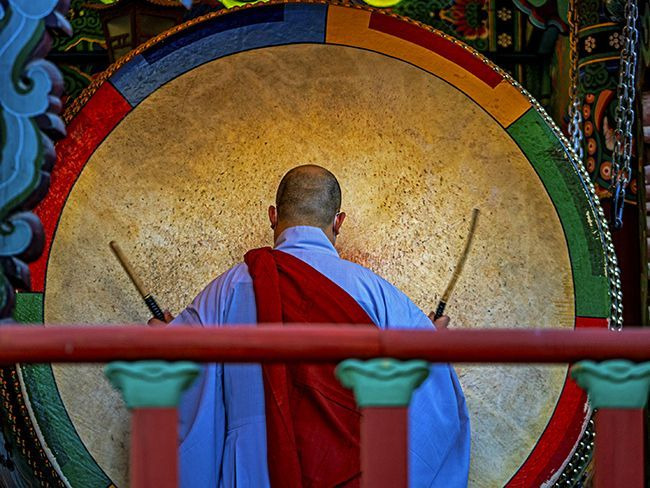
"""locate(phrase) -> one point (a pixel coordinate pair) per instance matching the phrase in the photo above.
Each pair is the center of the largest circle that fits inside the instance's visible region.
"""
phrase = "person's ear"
(338, 222)
(273, 216)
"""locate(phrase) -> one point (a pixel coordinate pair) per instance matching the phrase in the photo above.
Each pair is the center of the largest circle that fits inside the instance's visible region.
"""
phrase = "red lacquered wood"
(384, 447)
(86, 131)
(619, 444)
(317, 343)
(153, 457)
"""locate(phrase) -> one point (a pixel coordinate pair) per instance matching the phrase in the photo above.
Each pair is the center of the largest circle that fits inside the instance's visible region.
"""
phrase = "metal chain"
(575, 109)
(575, 471)
(576, 140)
(625, 93)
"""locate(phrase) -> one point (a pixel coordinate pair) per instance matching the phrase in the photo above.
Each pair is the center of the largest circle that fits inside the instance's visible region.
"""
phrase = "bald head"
(308, 195)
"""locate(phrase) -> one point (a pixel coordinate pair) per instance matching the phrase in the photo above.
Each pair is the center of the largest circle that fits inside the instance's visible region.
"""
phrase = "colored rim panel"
(212, 37)
(431, 51)
(66, 452)
(561, 180)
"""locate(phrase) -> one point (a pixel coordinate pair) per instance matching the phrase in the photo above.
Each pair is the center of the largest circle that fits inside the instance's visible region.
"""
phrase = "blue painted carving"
(30, 90)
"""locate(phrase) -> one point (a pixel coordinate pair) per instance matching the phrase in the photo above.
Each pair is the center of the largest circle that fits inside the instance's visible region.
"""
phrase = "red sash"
(312, 422)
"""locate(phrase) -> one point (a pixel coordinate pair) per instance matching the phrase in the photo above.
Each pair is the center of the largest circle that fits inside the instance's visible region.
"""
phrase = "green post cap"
(146, 384)
(382, 382)
(614, 384)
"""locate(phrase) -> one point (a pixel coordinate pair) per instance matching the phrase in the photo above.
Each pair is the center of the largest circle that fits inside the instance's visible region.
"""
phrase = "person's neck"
(281, 227)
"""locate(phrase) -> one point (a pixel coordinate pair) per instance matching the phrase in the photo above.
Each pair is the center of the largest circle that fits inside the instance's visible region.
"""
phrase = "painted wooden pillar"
(151, 390)
(383, 389)
(618, 390)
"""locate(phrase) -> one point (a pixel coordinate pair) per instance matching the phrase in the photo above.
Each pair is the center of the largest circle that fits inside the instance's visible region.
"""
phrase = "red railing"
(30, 344)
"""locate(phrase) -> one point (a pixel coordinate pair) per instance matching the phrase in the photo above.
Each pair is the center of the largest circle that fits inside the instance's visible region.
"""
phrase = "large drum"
(176, 153)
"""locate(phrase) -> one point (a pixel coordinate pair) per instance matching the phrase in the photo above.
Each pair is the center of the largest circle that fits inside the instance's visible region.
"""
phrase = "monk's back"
(438, 425)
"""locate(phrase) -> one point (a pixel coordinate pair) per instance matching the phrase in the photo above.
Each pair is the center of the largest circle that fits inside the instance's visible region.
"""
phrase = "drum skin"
(176, 154)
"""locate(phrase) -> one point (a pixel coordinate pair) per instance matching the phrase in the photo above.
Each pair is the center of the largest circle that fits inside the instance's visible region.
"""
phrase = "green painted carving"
(544, 13)
(151, 383)
(614, 384)
(382, 382)
(83, 55)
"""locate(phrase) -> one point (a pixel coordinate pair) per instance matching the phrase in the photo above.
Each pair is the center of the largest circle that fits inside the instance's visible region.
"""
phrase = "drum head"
(177, 153)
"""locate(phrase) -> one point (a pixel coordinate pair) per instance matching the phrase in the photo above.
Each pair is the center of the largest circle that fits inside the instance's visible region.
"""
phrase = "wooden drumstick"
(459, 267)
(149, 300)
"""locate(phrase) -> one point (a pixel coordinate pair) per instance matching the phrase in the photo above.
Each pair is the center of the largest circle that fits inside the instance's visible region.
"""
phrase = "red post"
(152, 390)
(620, 447)
(384, 447)
(383, 388)
(618, 391)
(154, 438)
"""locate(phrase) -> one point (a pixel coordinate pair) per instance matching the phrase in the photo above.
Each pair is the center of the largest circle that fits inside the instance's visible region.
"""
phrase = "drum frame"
(90, 122)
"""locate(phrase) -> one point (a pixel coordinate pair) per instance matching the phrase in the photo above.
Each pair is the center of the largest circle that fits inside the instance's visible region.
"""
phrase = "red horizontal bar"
(29, 344)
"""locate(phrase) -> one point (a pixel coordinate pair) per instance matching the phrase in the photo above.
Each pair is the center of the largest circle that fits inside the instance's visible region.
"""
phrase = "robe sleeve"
(439, 428)
(202, 415)
(211, 306)
(398, 311)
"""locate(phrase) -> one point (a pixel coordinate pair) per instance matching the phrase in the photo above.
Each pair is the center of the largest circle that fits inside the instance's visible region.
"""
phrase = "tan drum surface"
(184, 181)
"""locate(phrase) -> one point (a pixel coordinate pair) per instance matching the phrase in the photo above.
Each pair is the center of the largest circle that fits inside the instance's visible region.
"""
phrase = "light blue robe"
(222, 423)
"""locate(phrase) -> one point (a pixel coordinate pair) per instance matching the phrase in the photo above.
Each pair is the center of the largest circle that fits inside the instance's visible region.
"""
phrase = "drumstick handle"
(440, 310)
(128, 269)
(154, 308)
(149, 300)
(459, 267)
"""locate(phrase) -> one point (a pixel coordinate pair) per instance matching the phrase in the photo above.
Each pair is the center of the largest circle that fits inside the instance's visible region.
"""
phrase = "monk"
(251, 425)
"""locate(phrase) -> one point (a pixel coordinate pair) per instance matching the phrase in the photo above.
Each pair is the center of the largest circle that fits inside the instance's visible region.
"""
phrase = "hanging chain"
(575, 109)
(623, 135)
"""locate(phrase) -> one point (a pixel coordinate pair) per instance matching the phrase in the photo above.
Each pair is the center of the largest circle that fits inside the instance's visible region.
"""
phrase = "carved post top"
(614, 384)
(147, 384)
(382, 382)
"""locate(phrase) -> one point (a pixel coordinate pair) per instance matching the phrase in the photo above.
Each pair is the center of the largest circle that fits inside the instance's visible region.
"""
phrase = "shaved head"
(308, 195)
